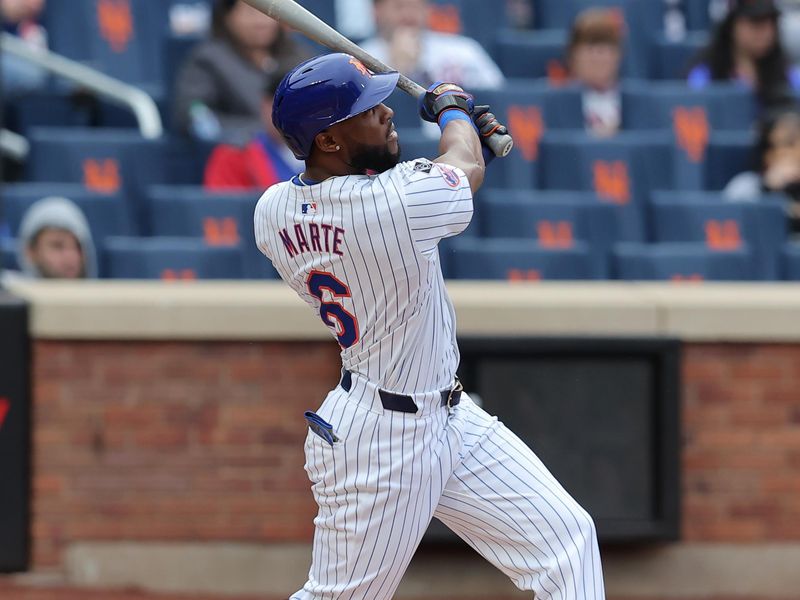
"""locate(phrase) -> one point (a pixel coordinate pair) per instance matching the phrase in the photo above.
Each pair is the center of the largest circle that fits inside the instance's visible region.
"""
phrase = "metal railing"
(114, 90)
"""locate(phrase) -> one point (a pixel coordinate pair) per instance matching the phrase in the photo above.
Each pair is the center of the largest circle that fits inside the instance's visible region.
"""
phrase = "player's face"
(57, 254)
(370, 140)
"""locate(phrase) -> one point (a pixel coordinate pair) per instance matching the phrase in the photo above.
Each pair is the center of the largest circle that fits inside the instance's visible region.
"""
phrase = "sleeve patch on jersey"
(450, 176)
(423, 166)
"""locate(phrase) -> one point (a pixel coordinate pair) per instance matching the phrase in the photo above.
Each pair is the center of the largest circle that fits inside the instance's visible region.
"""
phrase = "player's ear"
(326, 142)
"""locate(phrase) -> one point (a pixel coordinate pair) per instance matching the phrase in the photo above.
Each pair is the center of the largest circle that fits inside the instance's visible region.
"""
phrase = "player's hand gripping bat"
(294, 15)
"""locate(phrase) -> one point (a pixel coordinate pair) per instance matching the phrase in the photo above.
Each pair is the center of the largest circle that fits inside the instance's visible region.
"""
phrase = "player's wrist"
(454, 114)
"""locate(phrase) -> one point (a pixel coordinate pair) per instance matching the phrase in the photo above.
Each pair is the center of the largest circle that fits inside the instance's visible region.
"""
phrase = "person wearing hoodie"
(54, 242)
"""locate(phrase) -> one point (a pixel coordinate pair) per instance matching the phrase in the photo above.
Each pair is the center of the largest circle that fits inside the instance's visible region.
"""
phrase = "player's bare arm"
(460, 147)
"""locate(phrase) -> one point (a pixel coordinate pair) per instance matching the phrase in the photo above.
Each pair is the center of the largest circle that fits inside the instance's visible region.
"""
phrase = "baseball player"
(398, 442)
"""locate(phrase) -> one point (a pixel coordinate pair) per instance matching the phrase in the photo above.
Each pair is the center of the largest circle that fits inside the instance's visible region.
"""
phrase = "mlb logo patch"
(310, 209)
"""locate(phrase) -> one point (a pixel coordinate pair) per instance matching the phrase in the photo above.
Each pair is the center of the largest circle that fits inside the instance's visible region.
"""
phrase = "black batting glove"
(441, 97)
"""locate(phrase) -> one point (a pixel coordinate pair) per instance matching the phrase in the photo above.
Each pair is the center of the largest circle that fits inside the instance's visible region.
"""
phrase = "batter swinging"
(397, 442)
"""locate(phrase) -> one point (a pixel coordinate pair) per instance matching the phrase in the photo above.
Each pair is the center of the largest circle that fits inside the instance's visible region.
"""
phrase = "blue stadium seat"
(8, 254)
(643, 19)
(693, 116)
(105, 160)
(218, 218)
(530, 54)
(791, 261)
(528, 109)
(681, 261)
(122, 38)
(729, 153)
(673, 59)
(554, 219)
(477, 19)
(698, 16)
(761, 226)
(521, 260)
(621, 170)
(416, 144)
(171, 259)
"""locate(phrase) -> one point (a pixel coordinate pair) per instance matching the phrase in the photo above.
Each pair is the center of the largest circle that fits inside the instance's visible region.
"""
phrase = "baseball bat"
(294, 15)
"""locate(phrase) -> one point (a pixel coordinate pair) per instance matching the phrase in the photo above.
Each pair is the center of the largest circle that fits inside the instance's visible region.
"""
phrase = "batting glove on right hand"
(441, 97)
(486, 122)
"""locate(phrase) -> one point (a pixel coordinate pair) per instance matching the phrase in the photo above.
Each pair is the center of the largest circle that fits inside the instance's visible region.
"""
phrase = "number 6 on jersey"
(334, 314)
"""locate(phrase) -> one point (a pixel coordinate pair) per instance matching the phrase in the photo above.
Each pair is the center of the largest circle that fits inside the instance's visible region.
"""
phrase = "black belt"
(403, 403)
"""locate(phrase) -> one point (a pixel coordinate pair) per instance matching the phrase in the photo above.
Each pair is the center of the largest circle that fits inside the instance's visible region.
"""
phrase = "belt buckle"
(457, 388)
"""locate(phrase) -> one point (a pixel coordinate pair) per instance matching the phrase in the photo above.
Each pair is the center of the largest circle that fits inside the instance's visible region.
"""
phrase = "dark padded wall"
(14, 434)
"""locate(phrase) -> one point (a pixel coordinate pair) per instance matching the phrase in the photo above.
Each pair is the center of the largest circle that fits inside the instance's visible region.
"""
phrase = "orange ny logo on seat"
(5, 406)
(611, 180)
(691, 131)
(101, 174)
(693, 278)
(555, 234)
(527, 126)
(116, 23)
(178, 275)
(220, 232)
(524, 275)
(557, 74)
(444, 18)
(723, 235)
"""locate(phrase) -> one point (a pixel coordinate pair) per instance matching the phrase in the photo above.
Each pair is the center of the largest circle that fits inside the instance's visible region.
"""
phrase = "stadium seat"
(110, 161)
(621, 170)
(673, 59)
(530, 54)
(791, 261)
(681, 262)
(8, 254)
(721, 225)
(729, 153)
(554, 219)
(698, 15)
(171, 259)
(219, 219)
(528, 108)
(519, 260)
(477, 19)
(122, 38)
(693, 116)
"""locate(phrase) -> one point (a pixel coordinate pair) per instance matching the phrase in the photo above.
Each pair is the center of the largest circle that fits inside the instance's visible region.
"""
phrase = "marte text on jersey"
(312, 237)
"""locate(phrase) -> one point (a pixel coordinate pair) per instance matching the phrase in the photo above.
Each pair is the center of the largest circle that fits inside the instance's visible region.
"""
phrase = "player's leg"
(504, 502)
(376, 489)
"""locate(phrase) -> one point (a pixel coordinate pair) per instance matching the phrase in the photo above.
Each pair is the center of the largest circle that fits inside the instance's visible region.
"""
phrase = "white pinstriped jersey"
(362, 251)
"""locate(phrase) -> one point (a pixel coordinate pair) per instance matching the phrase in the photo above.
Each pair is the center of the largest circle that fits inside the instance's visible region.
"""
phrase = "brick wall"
(203, 441)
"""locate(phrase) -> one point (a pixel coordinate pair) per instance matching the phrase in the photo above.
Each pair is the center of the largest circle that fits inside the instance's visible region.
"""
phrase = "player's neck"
(320, 172)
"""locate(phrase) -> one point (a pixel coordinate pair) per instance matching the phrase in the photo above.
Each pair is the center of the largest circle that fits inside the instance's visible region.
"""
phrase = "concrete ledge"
(250, 310)
(675, 571)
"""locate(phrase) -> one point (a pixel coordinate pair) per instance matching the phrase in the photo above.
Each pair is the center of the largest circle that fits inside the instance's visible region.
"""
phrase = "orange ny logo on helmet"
(360, 66)
(116, 23)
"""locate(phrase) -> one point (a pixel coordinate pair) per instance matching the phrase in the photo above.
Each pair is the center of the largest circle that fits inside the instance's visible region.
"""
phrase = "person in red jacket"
(265, 160)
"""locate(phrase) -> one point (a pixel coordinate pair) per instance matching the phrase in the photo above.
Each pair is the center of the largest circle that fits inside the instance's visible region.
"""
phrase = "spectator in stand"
(778, 166)
(54, 242)
(219, 88)
(746, 47)
(594, 55)
(265, 160)
(405, 43)
(20, 19)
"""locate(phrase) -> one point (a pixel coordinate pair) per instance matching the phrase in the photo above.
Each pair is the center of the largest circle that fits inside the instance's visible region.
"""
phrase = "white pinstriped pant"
(379, 486)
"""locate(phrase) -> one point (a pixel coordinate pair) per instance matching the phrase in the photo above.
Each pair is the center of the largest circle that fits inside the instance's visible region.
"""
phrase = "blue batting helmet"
(322, 91)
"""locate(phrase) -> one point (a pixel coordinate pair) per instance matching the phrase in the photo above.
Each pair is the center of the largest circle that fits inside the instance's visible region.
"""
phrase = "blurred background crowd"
(655, 139)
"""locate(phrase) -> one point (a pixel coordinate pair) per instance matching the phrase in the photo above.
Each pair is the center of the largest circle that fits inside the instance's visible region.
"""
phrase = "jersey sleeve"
(437, 199)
